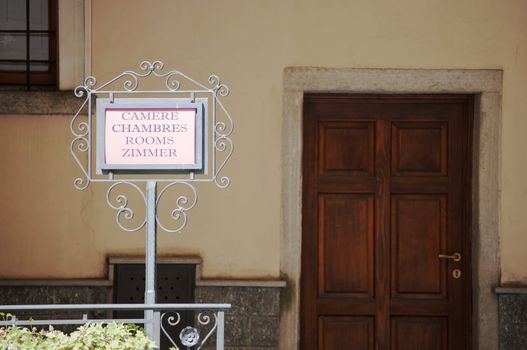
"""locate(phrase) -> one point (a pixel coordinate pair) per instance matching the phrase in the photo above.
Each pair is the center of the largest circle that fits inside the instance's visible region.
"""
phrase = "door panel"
(386, 190)
(418, 234)
(419, 333)
(347, 148)
(350, 333)
(419, 149)
(346, 244)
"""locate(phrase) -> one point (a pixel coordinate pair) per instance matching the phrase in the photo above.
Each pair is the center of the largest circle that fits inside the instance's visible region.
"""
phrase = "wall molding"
(200, 282)
(246, 283)
(241, 283)
(56, 283)
(114, 260)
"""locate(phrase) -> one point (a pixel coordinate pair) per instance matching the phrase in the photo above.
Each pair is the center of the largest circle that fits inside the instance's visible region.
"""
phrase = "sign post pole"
(150, 263)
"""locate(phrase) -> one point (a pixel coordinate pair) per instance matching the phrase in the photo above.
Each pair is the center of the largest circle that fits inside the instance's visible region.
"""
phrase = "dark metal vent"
(175, 284)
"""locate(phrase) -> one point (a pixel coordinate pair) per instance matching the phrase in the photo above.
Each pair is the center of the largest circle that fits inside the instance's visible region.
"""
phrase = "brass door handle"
(456, 256)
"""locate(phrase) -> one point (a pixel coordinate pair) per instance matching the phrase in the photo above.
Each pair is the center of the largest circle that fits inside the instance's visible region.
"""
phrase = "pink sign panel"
(151, 136)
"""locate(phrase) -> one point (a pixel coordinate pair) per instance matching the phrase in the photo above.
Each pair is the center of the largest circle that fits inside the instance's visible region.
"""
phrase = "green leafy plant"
(90, 336)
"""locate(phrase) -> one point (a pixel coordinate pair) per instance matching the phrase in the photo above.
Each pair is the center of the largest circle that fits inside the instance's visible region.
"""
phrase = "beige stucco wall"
(249, 43)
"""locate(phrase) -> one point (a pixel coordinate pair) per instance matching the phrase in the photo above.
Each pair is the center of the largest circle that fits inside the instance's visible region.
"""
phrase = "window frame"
(27, 77)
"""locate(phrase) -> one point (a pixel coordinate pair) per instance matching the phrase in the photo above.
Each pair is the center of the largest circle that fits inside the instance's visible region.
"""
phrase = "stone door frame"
(486, 176)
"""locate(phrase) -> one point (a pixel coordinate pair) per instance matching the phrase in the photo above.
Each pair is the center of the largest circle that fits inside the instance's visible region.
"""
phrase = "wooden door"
(386, 190)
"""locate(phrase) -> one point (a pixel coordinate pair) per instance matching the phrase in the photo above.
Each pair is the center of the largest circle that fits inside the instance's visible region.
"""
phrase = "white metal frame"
(200, 142)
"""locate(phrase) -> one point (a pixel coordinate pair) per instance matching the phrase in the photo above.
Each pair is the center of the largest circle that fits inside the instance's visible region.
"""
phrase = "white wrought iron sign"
(175, 136)
(121, 124)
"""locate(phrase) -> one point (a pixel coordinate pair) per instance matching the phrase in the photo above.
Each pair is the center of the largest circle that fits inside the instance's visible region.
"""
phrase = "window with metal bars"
(28, 42)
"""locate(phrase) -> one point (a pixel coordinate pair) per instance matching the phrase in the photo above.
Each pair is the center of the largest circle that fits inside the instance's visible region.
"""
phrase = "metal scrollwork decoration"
(206, 322)
(9, 318)
(172, 321)
(120, 202)
(80, 144)
(222, 142)
(218, 87)
(204, 319)
(183, 203)
(219, 128)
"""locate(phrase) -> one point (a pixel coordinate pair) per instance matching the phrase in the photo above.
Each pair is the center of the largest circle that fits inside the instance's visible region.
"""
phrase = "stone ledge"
(39, 102)
(241, 283)
(510, 290)
(159, 260)
(57, 283)
(109, 282)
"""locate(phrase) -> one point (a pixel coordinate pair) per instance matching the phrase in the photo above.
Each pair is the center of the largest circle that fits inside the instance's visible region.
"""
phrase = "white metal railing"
(209, 319)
